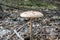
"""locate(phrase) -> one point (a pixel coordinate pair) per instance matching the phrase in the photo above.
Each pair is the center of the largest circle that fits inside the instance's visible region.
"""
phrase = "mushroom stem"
(31, 29)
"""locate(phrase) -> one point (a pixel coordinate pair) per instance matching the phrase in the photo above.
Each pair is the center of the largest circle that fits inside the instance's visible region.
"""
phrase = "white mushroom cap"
(31, 14)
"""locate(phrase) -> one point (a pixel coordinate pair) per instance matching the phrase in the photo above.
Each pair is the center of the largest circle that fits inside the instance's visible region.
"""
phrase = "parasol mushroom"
(31, 15)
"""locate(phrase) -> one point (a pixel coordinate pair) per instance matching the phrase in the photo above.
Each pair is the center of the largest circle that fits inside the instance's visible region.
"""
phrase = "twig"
(17, 31)
(18, 35)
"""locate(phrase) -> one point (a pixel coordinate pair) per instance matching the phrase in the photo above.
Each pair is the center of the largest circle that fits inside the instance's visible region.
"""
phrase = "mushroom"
(31, 15)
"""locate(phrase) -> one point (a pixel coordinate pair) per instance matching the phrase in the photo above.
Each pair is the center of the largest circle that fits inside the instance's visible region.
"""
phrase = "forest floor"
(14, 27)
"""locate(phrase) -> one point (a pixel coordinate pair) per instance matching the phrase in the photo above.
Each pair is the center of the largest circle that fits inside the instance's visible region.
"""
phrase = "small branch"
(17, 30)
(18, 35)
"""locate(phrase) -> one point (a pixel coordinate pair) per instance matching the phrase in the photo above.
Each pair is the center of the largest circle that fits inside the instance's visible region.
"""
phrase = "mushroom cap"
(31, 14)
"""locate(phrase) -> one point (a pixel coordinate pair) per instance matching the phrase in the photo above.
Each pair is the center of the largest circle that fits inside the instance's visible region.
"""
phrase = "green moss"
(29, 4)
